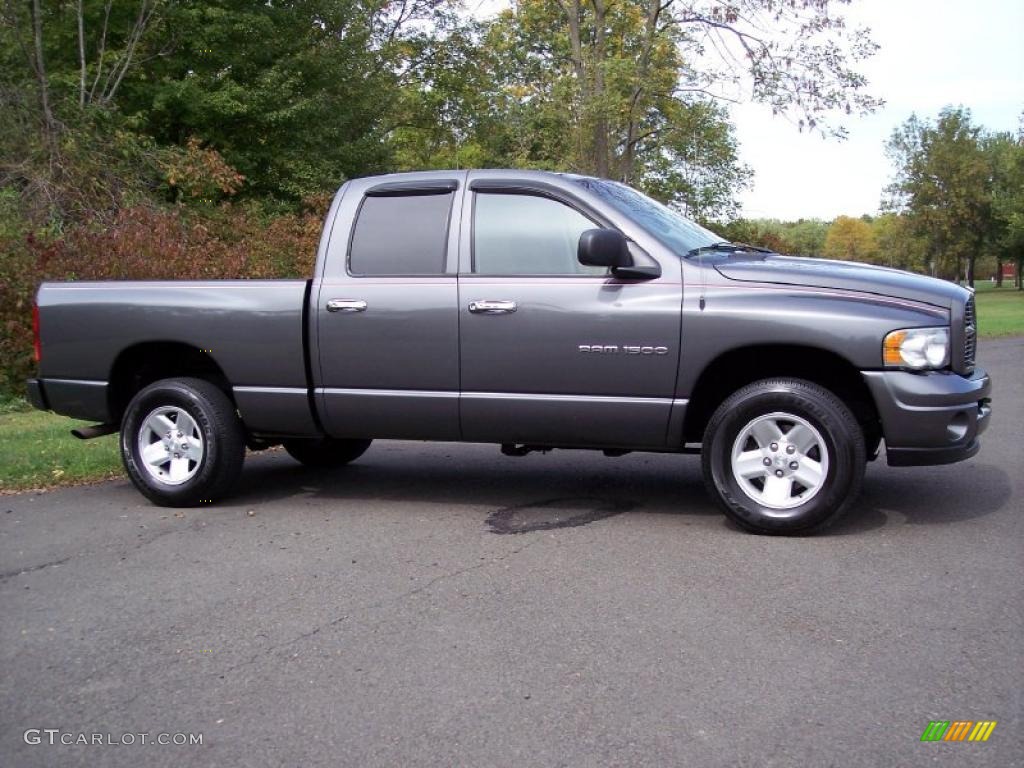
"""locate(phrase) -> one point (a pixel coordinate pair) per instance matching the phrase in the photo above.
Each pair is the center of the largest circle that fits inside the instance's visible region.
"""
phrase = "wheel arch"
(735, 368)
(140, 365)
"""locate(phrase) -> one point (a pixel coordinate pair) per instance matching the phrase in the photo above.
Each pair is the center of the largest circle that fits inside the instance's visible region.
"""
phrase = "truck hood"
(842, 275)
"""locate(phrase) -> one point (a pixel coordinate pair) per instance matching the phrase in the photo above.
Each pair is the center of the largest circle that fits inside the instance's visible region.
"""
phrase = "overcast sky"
(933, 53)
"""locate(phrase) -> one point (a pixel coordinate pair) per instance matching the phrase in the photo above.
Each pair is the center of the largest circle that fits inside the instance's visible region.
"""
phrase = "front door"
(554, 352)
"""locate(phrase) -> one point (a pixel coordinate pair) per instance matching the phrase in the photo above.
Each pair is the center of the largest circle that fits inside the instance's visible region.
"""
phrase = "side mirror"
(604, 248)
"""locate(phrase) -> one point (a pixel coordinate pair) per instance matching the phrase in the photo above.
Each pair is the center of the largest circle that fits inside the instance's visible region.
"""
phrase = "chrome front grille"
(970, 335)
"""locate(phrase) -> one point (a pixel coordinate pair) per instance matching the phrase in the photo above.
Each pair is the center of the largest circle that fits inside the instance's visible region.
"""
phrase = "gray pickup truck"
(535, 311)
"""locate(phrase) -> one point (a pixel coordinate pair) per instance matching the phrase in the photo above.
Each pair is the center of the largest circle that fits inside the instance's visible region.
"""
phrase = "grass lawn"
(1000, 310)
(40, 452)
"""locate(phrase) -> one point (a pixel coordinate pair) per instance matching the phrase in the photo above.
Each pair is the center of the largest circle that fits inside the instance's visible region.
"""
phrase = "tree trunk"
(970, 271)
(39, 65)
(571, 9)
(628, 159)
(138, 30)
(602, 161)
(81, 53)
(999, 272)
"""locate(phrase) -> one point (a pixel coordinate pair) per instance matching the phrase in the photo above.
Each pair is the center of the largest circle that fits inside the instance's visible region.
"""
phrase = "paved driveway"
(445, 605)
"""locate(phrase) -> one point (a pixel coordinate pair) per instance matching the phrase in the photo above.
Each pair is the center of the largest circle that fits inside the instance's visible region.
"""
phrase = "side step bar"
(518, 449)
(97, 430)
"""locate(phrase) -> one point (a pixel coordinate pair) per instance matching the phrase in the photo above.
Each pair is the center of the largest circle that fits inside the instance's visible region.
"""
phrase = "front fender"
(847, 324)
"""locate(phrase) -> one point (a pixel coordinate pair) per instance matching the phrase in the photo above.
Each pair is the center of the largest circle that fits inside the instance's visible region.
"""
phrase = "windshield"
(678, 233)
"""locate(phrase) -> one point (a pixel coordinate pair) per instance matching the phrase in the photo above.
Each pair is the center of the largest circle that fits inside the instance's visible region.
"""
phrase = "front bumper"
(930, 418)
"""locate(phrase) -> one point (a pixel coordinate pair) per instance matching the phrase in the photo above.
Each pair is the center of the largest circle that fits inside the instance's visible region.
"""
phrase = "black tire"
(326, 452)
(214, 422)
(767, 403)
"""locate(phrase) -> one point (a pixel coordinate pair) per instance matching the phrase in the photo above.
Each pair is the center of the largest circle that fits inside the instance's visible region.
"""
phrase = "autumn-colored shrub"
(146, 243)
(17, 283)
(201, 173)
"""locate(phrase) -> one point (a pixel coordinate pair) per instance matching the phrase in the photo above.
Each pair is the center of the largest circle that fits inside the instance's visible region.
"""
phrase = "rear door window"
(401, 235)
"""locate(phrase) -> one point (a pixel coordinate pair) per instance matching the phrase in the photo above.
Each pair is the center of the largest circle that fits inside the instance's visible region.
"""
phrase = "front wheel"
(783, 456)
(182, 443)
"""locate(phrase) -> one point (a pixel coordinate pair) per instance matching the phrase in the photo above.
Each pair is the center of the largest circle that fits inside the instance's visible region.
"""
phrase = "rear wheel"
(182, 443)
(326, 452)
(783, 456)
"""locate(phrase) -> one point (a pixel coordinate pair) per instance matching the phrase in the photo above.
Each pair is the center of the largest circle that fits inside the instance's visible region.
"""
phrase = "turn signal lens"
(917, 348)
(891, 348)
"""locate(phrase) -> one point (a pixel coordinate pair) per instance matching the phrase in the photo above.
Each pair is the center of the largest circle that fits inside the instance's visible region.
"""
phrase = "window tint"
(401, 235)
(527, 235)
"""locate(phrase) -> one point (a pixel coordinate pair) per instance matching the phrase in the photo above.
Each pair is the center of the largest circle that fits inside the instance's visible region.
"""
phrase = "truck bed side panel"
(252, 329)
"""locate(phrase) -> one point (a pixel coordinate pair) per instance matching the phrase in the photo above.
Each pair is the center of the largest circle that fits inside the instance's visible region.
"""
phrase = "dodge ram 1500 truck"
(536, 311)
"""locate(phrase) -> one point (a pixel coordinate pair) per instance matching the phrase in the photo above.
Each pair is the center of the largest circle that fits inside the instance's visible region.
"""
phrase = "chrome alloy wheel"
(170, 445)
(779, 460)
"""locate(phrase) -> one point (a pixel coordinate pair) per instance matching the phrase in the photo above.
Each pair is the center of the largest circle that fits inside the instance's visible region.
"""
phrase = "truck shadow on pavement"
(559, 490)
(926, 496)
(578, 488)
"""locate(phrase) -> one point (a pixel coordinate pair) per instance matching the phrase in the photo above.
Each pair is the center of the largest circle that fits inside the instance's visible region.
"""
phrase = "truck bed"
(251, 330)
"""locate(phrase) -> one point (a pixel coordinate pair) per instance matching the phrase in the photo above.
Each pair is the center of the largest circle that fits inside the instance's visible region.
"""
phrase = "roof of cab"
(475, 172)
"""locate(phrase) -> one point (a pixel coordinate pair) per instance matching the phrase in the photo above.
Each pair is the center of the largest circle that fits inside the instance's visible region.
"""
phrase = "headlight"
(917, 348)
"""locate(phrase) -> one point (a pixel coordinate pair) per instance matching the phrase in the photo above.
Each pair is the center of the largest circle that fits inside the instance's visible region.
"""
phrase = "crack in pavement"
(11, 574)
(369, 606)
(116, 546)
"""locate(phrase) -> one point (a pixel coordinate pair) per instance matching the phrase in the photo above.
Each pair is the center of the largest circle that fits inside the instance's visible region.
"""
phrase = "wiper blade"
(727, 247)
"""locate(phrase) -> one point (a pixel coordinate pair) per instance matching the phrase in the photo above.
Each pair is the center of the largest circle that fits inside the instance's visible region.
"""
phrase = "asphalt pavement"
(444, 605)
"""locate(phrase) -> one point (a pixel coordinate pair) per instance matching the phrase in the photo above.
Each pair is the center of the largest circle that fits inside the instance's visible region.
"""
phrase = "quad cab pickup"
(536, 311)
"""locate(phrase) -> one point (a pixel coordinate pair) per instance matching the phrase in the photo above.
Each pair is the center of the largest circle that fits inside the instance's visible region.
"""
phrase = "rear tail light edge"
(37, 346)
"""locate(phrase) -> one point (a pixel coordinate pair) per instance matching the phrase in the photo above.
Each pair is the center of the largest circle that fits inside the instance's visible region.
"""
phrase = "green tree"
(1006, 154)
(294, 95)
(898, 244)
(807, 236)
(595, 91)
(943, 183)
(63, 146)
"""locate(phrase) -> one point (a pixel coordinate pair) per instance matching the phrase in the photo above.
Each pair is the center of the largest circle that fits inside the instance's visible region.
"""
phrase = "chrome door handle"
(346, 305)
(492, 307)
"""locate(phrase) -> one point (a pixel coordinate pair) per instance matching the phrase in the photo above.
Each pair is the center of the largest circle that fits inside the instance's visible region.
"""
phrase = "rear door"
(386, 312)
(554, 352)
